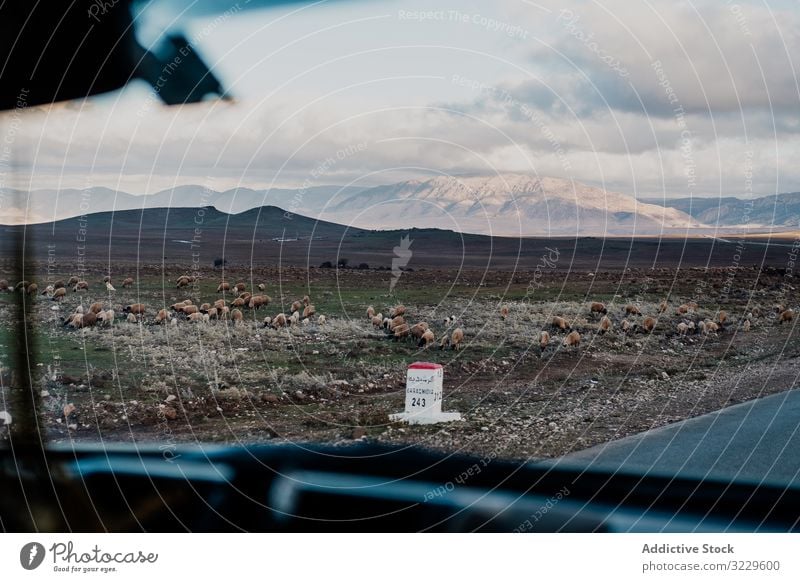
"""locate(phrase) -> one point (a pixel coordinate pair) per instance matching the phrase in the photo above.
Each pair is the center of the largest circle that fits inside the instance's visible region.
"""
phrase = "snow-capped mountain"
(506, 205)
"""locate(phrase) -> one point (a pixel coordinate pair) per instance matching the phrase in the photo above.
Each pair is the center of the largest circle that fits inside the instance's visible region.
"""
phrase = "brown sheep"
(32, 289)
(649, 324)
(162, 316)
(237, 316)
(722, 317)
(223, 312)
(296, 306)
(238, 303)
(427, 339)
(370, 312)
(3, 284)
(683, 309)
(279, 321)
(397, 310)
(213, 313)
(418, 329)
(559, 323)
(309, 310)
(692, 305)
(456, 338)
(59, 284)
(75, 321)
(246, 296)
(96, 307)
(59, 294)
(544, 340)
(127, 282)
(631, 309)
(240, 286)
(106, 317)
(504, 312)
(598, 307)
(80, 286)
(746, 325)
(224, 286)
(573, 339)
(131, 318)
(786, 315)
(219, 303)
(205, 307)
(306, 300)
(662, 307)
(134, 308)
(259, 301)
(626, 326)
(72, 281)
(182, 282)
(196, 317)
(401, 331)
(683, 327)
(377, 321)
(396, 321)
(605, 324)
(191, 309)
(89, 319)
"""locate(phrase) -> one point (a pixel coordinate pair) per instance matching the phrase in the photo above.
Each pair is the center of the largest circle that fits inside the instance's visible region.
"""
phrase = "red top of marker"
(424, 366)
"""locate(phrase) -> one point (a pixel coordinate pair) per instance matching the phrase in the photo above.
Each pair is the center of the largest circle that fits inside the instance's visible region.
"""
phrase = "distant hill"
(769, 212)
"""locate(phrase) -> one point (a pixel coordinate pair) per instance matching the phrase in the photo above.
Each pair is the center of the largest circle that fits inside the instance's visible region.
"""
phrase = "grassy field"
(341, 380)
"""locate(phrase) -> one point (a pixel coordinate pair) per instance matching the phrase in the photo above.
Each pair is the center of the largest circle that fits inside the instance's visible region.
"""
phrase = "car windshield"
(548, 232)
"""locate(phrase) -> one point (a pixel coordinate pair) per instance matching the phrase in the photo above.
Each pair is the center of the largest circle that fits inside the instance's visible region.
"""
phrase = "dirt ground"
(339, 381)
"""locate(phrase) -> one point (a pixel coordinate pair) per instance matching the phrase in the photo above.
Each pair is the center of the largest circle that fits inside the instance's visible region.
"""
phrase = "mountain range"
(516, 205)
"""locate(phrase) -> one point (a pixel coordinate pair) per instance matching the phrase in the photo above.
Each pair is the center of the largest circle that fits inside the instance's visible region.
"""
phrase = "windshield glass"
(588, 217)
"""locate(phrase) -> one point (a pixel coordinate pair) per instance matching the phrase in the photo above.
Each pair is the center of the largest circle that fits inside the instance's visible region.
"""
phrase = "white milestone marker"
(424, 396)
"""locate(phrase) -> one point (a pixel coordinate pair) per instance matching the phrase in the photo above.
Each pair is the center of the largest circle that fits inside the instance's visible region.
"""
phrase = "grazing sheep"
(683, 309)
(386, 323)
(709, 327)
(72, 281)
(246, 296)
(456, 338)
(544, 340)
(3, 285)
(219, 303)
(131, 318)
(240, 286)
(21, 286)
(182, 282)
(626, 326)
(59, 294)
(401, 331)
(722, 317)
(32, 289)
(59, 284)
(573, 339)
(262, 287)
(305, 321)
(196, 317)
(135, 309)
(306, 300)
(504, 312)
(213, 313)
(267, 321)
(279, 321)
(88, 319)
(96, 307)
(379, 316)
(109, 286)
(426, 339)
(295, 318)
(162, 316)
(396, 321)
(49, 290)
(598, 307)
(309, 311)
(631, 309)
(444, 343)
(397, 310)
(321, 320)
(205, 307)
(224, 286)
(662, 307)
(683, 327)
(79, 309)
(80, 286)
(238, 303)
(559, 323)
(649, 324)
(191, 309)
(746, 325)
(259, 301)
(179, 306)
(106, 279)
(127, 282)
(377, 321)
(75, 321)
(223, 312)
(785, 315)
(418, 329)
(692, 305)
(605, 324)
(236, 316)
(370, 312)
(106, 317)
(296, 306)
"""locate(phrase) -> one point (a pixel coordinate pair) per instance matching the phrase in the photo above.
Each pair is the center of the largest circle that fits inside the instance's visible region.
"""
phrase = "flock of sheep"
(397, 328)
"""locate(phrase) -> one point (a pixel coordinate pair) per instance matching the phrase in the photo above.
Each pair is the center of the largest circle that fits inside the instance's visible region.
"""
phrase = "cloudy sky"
(655, 99)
